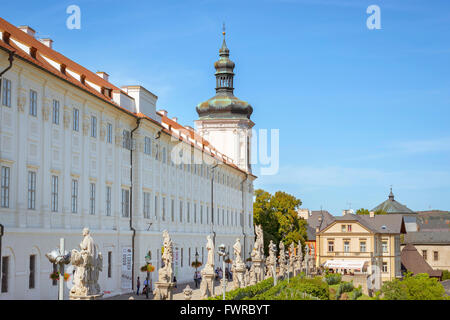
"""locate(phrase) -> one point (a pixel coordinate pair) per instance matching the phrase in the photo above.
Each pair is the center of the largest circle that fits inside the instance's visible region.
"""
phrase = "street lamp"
(60, 257)
(222, 252)
(148, 259)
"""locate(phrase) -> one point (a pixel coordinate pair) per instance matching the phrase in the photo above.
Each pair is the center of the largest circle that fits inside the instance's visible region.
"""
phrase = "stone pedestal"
(239, 276)
(163, 290)
(207, 285)
(259, 269)
(91, 297)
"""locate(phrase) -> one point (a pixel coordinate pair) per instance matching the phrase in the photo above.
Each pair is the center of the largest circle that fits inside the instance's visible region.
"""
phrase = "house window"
(343, 228)
(109, 133)
(362, 246)
(181, 211)
(148, 146)
(172, 209)
(207, 215)
(188, 212)
(164, 209)
(435, 255)
(5, 178)
(33, 103)
(349, 228)
(54, 198)
(32, 277)
(385, 267)
(6, 92)
(55, 113)
(384, 246)
(346, 246)
(108, 200)
(109, 264)
(201, 214)
(92, 198)
(182, 256)
(146, 205)
(223, 217)
(195, 213)
(126, 143)
(156, 151)
(5, 273)
(424, 254)
(156, 207)
(31, 190)
(74, 196)
(93, 127)
(330, 246)
(125, 203)
(76, 118)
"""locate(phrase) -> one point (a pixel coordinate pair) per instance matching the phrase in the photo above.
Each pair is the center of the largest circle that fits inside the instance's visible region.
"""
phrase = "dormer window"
(63, 68)
(33, 52)
(82, 79)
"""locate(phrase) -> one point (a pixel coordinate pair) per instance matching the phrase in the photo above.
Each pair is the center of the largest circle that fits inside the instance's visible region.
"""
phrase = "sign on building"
(127, 256)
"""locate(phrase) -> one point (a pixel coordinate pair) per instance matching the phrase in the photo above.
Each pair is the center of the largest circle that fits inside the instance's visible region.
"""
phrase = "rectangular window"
(172, 209)
(330, 246)
(109, 264)
(148, 146)
(5, 177)
(55, 113)
(385, 267)
(201, 214)
(362, 246)
(223, 217)
(93, 127)
(435, 255)
(156, 207)
(54, 195)
(109, 133)
(349, 228)
(31, 190)
(164, 209)
(32, 277)
(424, 254)
(146, 205)
(5, 273)
(76, 118)
(74, 196)
(6, 92)
(188, 212)
(343, 228)
(181, 211)
(33, 103)
(384, 246)
(126, 143)
(92, 198)
(108, 200)
(182, 255)
(125, 203)
(346, 246)
(195, 213)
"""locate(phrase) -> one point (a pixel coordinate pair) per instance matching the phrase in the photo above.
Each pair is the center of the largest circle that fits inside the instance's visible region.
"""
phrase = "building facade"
(77, 151)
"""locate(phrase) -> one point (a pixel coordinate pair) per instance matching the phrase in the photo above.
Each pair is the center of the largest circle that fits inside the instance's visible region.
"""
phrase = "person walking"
(175, 281)
(146, 288)
(196, 279)
(138, 285)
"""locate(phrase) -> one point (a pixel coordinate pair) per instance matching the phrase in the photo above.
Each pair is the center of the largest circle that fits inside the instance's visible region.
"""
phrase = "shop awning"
(345, 264)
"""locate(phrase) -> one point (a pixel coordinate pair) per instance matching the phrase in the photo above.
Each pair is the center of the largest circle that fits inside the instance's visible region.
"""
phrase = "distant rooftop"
(392, 206)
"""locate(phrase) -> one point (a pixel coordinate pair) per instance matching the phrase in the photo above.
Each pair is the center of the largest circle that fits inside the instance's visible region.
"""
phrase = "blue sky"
(358, 110)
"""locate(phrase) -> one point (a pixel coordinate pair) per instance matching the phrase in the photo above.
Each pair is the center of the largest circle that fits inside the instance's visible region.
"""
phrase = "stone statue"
(292, 257)
(247, 277)
(313, 259)
(187, 293)
(307, 259)
(88, 263)
(299, 261)
(238, 266)
(271, 260)
(258, 248)
(282, 260)
(166, 272)
(252, 275)
(208, 275)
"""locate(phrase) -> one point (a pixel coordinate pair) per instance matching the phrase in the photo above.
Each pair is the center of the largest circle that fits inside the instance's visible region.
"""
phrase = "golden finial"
(223, 29)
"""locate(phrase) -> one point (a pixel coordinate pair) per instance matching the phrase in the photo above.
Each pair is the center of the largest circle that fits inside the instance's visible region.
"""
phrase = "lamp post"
(60, 257)
(196, 266)
(222, 252)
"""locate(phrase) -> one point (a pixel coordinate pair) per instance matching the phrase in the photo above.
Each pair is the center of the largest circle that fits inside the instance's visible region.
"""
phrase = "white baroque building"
(77, 151)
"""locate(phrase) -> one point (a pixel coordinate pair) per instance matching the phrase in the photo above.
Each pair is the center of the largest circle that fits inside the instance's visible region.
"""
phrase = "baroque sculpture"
(164, 286)
(238, 266)
(88, 263)
(258, 254)
(282, 261)
(271, 261)
(207, 284)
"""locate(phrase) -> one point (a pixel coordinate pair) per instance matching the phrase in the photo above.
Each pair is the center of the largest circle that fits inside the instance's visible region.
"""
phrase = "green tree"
(417, 287)
(363, 211)
(277, 214)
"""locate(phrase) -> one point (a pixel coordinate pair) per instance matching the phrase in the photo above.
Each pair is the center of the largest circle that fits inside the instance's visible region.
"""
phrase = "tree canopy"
(277, 214)
(363, 211)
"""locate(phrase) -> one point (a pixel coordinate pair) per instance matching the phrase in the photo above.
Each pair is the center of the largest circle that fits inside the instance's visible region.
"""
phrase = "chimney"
(175, 119)
(163, 112)
(28, 30)
(371, 214)
(47, 42)
(103, 75)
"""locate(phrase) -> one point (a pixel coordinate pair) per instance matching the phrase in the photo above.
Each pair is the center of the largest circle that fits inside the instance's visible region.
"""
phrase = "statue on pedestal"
(164, 286)
(88, 263)
(271, 260)
(299, 261)
(292, 257)
(282, 260)
(208, 275)
(238, 266)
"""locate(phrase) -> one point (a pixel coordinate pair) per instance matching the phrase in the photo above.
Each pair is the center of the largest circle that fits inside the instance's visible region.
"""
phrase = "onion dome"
(224, 104)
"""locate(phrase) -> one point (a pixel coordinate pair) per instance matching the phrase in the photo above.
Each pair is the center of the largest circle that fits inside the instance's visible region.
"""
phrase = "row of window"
(362, 246)
(228, 218)
(435, 255)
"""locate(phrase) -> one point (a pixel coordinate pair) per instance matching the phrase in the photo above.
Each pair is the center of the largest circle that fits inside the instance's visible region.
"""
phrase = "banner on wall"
(127, 256)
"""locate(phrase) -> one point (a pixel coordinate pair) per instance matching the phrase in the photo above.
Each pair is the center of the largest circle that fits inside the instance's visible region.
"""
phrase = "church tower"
(224, 120)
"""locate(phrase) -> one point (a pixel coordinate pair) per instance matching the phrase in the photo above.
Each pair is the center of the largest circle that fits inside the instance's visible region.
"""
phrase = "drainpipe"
(243, 212)
(138, 122)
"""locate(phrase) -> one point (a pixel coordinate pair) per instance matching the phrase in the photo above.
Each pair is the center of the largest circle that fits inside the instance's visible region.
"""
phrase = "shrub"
(417, 287)
(355, 294)
(445, 275)
(344, 287)
(247, 292)
(333, 278)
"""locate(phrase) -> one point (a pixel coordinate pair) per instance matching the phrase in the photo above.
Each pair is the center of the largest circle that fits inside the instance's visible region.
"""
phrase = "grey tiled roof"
(413, 261)
(313, 222)
(378, 223)
(428, 237)
(392, 206)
